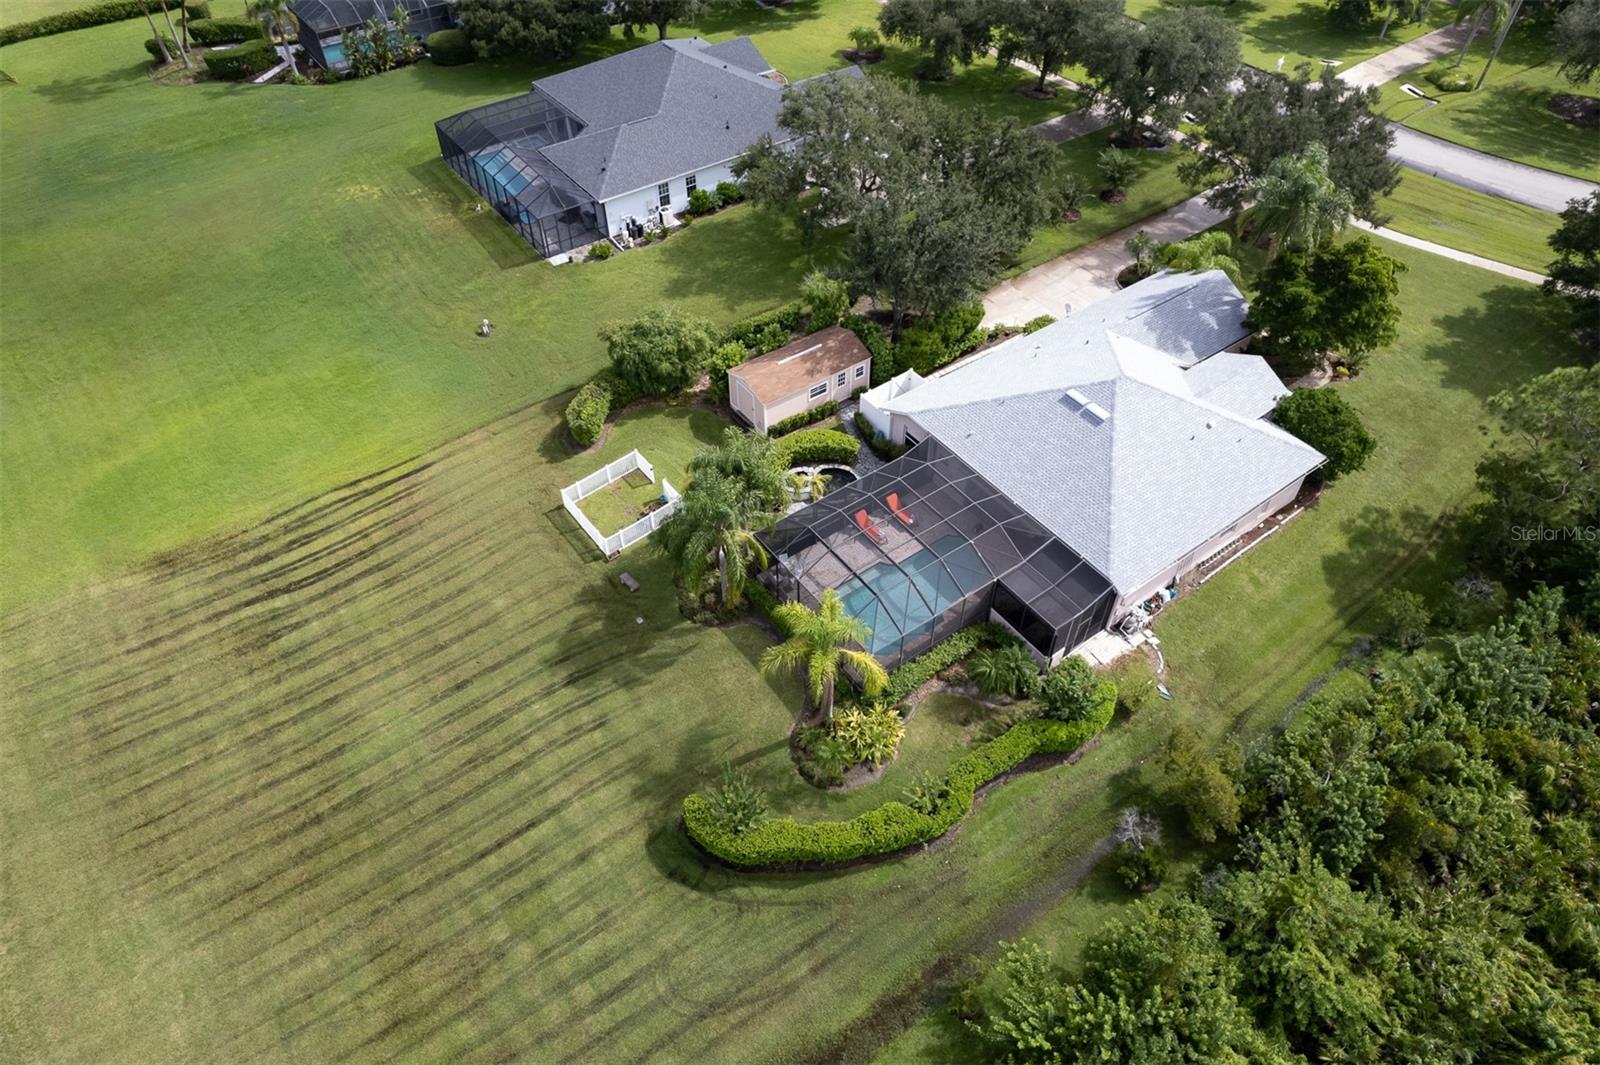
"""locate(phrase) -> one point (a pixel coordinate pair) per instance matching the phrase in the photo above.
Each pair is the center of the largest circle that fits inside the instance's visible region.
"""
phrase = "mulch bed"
(1581, 111)
(862, 58)
(1034, 92)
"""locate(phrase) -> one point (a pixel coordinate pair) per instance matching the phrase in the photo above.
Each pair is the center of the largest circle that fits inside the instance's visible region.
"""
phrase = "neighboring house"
(1059, 479)
(618, 144)
(323, 23)
(824, 367)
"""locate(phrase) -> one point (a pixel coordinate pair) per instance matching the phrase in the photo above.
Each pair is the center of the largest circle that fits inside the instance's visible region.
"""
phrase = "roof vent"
(798, 354)
(1097, 412)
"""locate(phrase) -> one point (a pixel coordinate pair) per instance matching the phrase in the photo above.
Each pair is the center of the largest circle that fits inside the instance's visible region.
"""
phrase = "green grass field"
(395, 772)
(1155, 187)
(1509, 116)
(1448, 214)
(13, 11)
(1297, 31)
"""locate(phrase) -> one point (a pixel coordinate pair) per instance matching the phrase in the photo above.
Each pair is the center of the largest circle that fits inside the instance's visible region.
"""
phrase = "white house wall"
(637, 204)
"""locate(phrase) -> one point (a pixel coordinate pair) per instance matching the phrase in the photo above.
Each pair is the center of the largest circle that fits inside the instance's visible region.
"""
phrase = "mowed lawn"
(1510, 115)
(395, 772)
(1507, 232)
(218, 298)
(1298, 31)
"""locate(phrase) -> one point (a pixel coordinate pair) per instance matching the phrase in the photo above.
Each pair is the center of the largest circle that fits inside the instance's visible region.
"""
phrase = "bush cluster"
(77, 19)
(729, 193)
(1033, 325)
(804, 418)
(586, 413)
(154, 47)
(449, 48)
(748, 331)
(933, 342)
(881, 445)
(893, 826)
(1451, 80)
(872, 338)
(809, 446)
(946, 653)
(600, 252)
(198, 9)
(724, 358)
(701, 202)
(248, 59)
(214, 31)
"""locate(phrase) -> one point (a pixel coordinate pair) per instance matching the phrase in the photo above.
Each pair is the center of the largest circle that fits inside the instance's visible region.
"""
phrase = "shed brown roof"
(783, 372)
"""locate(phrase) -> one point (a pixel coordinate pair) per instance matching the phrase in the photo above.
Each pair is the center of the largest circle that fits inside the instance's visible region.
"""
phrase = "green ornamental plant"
(872, 736)
(737, 803)
(819, 645)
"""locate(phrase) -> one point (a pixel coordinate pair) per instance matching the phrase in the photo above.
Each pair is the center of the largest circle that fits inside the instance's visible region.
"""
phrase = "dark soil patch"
(1113, 196)
(862, 58)
(1072, 215)
(1129, 275)
(1142, 140)
(1036, 92)
(1581, 111)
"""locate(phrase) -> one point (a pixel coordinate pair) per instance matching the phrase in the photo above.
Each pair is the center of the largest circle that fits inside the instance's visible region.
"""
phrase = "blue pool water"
(897, 611)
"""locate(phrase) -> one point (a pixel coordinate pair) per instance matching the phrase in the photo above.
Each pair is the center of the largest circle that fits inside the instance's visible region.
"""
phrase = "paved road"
(1504, 269)
(1544, 189)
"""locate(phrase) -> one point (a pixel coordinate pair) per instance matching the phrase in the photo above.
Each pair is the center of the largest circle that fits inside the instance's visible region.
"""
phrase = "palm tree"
(1297, 202)
(751, 460)
(812, 485)
(277, 17)
(1406, 11)
(818, 643)
(1500, 39)
(714, 524)
(161, 42)
(1211, 250)
(1479, 11)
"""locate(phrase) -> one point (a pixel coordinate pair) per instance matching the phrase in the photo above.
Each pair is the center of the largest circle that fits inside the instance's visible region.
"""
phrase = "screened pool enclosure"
(924, 546)
(495, 149)
(323, 22)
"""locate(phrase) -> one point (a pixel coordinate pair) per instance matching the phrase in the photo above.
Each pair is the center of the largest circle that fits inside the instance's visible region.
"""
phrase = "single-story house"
(324, 22)
(1059, 479)
(620, 143)
(828, 366)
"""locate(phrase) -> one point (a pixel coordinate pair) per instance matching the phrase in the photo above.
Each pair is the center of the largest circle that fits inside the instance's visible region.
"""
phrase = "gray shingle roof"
(1167, 463)
(661, 110)
(1188, 316)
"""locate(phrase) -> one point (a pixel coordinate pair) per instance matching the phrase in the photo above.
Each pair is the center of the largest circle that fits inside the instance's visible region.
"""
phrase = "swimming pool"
(886, 596)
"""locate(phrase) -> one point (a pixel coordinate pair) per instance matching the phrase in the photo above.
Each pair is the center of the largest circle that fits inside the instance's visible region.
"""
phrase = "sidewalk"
(1088, 274)
(1386, 66)
(1505, 269)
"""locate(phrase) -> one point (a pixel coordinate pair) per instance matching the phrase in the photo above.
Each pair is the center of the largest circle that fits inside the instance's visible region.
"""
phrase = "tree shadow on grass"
(737, 255)
(1306, 30)
(88, 87)
(1483, 345)
(1381, 545)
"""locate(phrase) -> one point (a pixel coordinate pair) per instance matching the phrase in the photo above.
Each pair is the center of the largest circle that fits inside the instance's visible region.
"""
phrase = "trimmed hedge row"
(804, 418)
(946, 653)
(817, 445)
(77, 19)
(586, 413)
(893, 826)
(210, 31)
(246, 60)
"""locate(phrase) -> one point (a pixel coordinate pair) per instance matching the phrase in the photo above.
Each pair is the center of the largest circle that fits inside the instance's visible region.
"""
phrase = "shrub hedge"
(748, 331)
(586, 413)
(893, 826)
(246, 60)
(724, 358)
(872, 338)
(818, 445)
(198, 9)
(77, 19)
(804, 418)
(154, 49)
(933, 342)
(449, 48)
(211, 31)
(947, 652)
(1033, 325)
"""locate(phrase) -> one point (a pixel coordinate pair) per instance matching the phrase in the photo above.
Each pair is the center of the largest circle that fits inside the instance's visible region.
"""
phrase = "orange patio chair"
(899, 511)
(870, 527)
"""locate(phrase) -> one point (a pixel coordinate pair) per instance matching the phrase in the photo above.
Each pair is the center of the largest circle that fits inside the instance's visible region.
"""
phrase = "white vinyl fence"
(612, 545)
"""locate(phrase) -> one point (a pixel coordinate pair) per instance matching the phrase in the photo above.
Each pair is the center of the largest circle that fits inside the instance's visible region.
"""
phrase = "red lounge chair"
(899, 512)
(870, 527)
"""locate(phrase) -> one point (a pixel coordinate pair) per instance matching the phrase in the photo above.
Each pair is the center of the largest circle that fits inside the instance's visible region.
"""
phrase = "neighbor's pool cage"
(923, 546)
(323, 22)
(495, 149)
